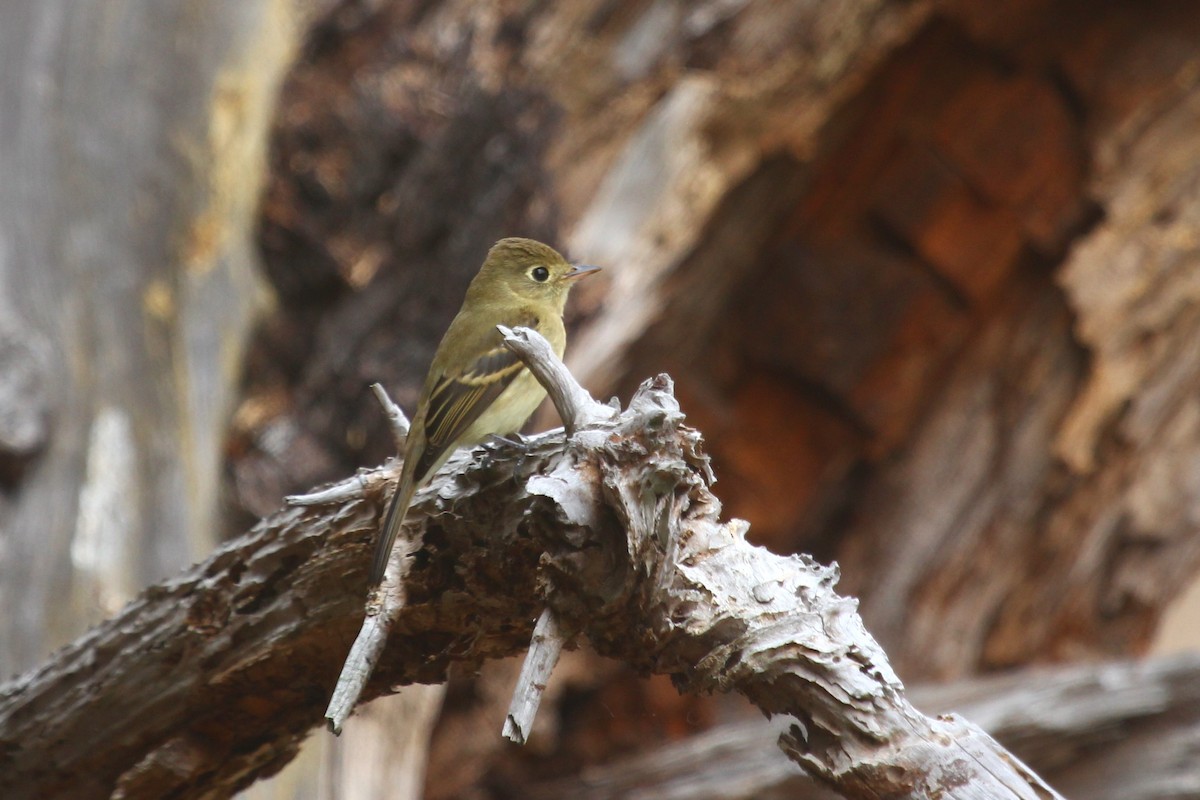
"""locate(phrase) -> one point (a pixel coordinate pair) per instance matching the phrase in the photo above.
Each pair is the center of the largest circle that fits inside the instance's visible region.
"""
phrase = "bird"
(476, 387)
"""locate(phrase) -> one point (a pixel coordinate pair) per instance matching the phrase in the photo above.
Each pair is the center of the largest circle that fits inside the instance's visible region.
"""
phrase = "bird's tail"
(398, 509)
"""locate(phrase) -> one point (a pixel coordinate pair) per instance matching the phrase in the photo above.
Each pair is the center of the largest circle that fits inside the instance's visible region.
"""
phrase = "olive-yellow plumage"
(476, 387)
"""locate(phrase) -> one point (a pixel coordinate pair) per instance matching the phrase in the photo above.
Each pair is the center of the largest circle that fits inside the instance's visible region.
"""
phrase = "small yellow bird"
(476, 387)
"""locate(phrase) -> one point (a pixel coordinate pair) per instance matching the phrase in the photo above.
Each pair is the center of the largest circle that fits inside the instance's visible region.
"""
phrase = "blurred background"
(926, 275)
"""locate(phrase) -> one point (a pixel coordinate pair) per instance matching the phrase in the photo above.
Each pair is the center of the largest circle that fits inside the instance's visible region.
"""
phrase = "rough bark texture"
(1105, 732)
(925, 273)
(209, 680)
(874, 242)
(922, 271)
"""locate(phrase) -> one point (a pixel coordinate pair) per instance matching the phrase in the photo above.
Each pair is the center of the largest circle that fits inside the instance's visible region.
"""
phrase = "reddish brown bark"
(876, 244)
(924, 272)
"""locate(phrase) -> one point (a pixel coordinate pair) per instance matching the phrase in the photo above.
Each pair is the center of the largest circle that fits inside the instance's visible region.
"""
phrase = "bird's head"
(529, 270)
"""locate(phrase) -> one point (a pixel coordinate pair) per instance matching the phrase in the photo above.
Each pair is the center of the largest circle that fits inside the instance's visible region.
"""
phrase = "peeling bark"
(924, 272)
(1116, 731)
(213, 678)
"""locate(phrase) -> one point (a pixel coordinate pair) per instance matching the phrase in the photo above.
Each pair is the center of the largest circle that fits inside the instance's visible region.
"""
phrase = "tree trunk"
(917, 268)
(923, 270)
(131, 150)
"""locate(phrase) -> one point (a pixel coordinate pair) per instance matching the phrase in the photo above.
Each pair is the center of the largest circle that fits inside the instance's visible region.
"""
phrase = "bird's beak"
(580, 270)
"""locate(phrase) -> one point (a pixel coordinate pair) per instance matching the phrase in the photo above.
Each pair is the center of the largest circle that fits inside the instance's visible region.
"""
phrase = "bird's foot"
(519, 443)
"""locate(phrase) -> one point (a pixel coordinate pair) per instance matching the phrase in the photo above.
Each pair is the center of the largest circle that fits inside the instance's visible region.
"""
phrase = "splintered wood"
(635, 557)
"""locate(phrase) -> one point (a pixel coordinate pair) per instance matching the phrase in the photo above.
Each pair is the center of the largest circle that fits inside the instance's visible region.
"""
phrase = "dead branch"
(544, 649)
(383, 605)
(1095, 728)
(209, 680)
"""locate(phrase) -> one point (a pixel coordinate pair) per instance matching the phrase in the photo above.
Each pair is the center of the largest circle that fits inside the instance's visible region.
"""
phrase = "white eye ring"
(539, 274)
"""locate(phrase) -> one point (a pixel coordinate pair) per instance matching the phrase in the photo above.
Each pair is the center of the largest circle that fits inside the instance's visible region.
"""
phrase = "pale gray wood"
(385, 601)
(615, 530)
(544, 650)
(1110, 731)
(383, 756)
(131, 152)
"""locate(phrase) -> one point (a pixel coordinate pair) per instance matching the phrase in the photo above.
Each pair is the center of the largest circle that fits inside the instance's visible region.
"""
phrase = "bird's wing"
(457, 400)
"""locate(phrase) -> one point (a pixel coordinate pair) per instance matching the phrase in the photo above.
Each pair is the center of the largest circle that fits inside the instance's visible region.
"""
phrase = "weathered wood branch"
(211, 679)
(544, 650)
(383, 604)
(1102, 731)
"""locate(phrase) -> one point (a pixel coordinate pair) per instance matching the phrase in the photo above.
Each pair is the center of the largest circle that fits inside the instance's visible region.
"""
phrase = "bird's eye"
(539, 274)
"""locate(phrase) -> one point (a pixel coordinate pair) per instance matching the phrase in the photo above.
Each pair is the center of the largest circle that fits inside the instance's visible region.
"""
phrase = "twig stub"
(395, 416)
(544, 649)
(575, 406)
